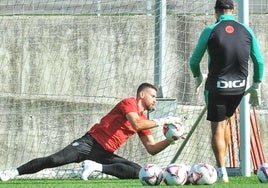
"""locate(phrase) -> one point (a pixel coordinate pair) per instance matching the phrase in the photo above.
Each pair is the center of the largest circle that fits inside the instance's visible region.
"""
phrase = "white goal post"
(244, 107)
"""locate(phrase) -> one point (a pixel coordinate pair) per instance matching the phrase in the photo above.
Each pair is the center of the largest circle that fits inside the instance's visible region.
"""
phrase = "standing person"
(229, 45)
(105, 137)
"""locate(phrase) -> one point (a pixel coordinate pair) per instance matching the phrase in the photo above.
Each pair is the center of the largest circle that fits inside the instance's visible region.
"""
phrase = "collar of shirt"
(226, 17)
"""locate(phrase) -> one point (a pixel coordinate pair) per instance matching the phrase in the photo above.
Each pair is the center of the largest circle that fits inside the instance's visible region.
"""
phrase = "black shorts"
(220, 107)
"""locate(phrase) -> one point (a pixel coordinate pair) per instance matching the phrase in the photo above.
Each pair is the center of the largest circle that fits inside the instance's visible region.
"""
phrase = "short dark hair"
(145, 85)
(224, 4)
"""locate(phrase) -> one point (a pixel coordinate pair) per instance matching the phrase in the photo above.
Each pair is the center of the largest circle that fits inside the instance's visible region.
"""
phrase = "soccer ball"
(202, 174)
(188, 168)
(173, 132)
(262, 173)
(150, 174)
(175, 174)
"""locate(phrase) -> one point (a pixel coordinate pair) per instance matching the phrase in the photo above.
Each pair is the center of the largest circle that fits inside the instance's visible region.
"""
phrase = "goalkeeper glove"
(254, 94)
(197, 82)
(173, 132)
(167, 120)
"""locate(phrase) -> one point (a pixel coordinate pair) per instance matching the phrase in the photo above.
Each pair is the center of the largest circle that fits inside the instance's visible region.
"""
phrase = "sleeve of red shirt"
(130, 105)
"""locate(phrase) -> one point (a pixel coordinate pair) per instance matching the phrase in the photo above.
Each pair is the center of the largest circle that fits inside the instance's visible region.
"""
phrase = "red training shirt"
(114, 128)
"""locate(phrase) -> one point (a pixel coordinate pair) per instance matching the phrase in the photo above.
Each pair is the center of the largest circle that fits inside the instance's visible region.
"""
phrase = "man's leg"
(65, 156)
(111, 164)
(123, 170)
(219, 142)
(74, 152)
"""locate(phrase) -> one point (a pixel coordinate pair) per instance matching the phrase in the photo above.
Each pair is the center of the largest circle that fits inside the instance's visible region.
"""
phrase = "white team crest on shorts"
(75, 144)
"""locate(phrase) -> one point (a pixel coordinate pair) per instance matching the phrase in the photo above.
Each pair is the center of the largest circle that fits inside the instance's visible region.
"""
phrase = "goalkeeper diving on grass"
(96, 148)
(229, 44)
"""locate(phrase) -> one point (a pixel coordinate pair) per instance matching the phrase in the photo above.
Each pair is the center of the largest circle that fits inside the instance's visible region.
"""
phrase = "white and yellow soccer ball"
(173, 131)
(262, 173)
(202, 174)
(175, 174)
(150, 174)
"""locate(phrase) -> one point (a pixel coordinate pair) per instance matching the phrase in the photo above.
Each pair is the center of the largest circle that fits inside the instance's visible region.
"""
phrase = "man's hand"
(254, 94)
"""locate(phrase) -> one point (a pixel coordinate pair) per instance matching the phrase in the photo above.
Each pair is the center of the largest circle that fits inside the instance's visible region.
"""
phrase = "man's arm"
(138, 123)
(255, 54)
(148, 141)
(258, 71)
(199, 51)
(151, 146)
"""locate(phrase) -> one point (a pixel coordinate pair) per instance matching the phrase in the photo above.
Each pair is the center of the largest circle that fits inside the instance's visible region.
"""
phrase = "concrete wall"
(60, 74)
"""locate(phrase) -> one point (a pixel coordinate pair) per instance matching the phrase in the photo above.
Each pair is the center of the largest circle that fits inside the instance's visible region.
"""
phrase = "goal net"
(65, 64)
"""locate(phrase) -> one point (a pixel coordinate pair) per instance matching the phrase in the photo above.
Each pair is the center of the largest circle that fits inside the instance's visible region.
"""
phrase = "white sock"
(222, 170)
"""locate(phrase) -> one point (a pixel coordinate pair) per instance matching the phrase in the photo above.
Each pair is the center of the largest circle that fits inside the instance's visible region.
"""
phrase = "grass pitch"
(235, 182)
